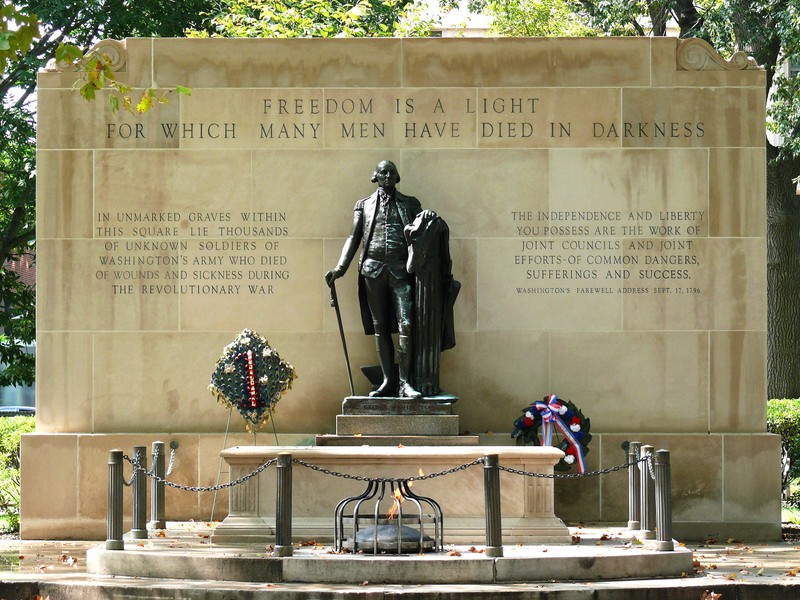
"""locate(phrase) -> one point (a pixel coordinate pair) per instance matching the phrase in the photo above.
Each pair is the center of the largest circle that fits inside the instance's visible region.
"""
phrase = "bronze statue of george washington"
(383, 224)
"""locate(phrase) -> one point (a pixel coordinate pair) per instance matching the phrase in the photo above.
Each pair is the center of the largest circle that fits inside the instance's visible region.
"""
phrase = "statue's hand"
(333, 275)
(428, 214)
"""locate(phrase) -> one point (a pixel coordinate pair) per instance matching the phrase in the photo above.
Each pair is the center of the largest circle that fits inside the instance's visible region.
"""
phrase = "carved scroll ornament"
(695, 54)
(112, 50)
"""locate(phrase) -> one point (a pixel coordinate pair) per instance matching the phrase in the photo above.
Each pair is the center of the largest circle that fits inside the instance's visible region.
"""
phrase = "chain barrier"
(200, 488)
(171, 462)
(156, 453)
(573, 475)
(132, 479)
(649, 457)
(137, 468)
(477, 461)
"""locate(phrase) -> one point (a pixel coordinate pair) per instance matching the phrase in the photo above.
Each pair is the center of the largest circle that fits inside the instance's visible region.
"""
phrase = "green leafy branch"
(95, 73)
(17, 32)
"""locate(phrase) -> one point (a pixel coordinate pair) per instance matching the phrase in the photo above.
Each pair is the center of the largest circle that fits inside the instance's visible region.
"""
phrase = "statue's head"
(386, 175)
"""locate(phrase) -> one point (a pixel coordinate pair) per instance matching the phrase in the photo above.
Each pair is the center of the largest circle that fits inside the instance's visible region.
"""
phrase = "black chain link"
(200, 488)
(156, 453)
(477, 461)
(171, 462)
(649, 458)
(129, 483)
(573, 475)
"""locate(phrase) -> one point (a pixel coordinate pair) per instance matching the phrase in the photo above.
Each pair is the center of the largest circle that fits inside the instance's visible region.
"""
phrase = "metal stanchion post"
(663, 501)
(491, 489)
(633, 486)
(283, 506)
(157, 488)
(139, 486)
(647, 495)
(115, 481)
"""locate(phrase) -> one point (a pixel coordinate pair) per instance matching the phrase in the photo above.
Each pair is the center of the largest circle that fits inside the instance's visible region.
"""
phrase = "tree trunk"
(783, 277)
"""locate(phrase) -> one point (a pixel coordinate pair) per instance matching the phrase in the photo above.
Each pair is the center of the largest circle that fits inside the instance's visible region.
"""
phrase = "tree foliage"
(315, 18)
(530, 18)
(11, 429)
(17, 32)
(783, 418)
(17, 233)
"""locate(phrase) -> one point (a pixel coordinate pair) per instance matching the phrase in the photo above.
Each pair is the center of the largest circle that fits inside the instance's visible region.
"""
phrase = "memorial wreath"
(559, 418)
(251, 377)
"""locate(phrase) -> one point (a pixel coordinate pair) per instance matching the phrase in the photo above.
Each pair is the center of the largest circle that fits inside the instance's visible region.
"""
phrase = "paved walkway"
(723, 569)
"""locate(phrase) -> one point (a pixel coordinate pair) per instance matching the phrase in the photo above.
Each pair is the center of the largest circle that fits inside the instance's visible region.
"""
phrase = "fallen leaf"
(576, 539)
(760, 572)
(598, 543)
(161, 533)
(454, 553)
(731, 576)
(791, 573)
(710, 596)
(605, 537)
(203, 535)
(365, 583)
(473, 549)
(734, 541)
(698, 566)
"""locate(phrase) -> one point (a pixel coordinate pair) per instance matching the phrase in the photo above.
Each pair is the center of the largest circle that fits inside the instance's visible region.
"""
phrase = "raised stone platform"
(369, 405)
(620, 558)
(397, 424)
(397, 440)
(527, 502)
(378, 421)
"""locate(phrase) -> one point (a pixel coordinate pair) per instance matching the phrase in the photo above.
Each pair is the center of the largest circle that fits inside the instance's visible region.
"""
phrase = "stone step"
(397, 440)
(397, 424)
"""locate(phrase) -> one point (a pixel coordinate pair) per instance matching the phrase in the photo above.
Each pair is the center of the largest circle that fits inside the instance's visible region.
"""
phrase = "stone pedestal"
(527, 502)
(368, 421)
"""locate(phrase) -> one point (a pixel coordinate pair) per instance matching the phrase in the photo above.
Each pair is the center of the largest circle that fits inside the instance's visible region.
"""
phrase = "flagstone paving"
(725, 569)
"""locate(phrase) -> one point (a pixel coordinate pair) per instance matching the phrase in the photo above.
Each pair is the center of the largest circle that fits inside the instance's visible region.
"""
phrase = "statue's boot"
(405, 389)
(383, 343)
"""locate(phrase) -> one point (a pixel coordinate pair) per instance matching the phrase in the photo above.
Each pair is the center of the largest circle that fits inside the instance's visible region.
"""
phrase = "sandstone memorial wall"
(606, 205)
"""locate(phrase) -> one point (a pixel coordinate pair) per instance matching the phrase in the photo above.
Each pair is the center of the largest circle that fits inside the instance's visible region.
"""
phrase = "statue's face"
(386, 174)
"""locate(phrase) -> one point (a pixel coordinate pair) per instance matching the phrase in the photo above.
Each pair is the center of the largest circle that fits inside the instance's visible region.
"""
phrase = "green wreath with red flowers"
(251, 377)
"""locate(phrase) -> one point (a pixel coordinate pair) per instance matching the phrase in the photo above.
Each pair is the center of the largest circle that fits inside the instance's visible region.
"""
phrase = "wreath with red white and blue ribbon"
(562, 424)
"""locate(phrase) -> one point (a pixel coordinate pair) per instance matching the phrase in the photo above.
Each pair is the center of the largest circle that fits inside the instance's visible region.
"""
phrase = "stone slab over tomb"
(527, 502)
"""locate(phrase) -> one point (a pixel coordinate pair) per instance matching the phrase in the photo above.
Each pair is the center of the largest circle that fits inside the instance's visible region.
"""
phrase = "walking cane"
(335, 305)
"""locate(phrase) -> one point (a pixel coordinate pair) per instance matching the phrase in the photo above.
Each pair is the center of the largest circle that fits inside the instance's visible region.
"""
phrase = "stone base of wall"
(724, 485)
